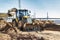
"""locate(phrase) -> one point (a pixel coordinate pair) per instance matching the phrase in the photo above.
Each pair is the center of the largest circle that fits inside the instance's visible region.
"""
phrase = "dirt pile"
(25, 36)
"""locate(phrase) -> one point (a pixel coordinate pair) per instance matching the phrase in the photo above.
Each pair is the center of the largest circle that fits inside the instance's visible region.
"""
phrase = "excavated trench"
(52, 27)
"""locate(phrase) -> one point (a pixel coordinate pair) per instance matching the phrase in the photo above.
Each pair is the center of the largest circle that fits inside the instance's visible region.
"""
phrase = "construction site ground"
(44, 35)
(47, 35)
(50, 32)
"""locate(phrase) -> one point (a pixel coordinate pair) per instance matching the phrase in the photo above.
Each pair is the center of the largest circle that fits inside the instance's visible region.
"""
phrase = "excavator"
(15, 18)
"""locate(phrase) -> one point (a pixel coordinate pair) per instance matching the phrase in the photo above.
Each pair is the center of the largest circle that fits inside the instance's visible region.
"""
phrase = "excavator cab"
(23, 14)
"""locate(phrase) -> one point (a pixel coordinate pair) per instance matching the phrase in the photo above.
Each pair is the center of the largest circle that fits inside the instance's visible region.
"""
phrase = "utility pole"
(47, 16)
(19, 7)
(34, 15)
(19, 4)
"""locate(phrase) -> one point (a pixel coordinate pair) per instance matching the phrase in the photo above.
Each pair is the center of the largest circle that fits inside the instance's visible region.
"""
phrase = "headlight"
(25, 16)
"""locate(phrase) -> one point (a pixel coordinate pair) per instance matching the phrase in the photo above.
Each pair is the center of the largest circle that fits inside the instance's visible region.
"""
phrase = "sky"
(37, 7)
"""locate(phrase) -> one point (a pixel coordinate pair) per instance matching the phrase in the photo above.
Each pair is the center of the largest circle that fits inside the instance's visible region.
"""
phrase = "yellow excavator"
(19, 17)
